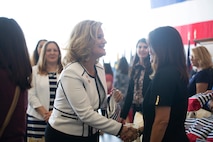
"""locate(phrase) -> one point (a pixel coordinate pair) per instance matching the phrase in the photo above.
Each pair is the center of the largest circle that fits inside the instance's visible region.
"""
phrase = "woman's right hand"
(43, 112)
(47, 115)
(128, 134)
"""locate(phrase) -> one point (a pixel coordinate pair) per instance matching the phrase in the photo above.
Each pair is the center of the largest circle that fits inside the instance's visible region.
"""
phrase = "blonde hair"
(42, 66)
(203, 57)
(81, 41)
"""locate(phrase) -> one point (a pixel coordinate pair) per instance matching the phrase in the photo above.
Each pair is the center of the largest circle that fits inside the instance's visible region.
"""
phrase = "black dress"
(203, 76)
(170, 90)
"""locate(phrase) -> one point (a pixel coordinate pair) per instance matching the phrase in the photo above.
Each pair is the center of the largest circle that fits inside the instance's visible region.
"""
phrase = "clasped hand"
(129, 134)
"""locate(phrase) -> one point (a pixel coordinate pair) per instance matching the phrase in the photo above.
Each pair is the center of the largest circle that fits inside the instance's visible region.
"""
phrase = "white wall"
(184, 13)
(124, 21)
(191, 11)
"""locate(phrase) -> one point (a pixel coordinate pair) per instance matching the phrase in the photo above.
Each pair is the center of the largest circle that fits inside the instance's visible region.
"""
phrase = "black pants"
(53, 135)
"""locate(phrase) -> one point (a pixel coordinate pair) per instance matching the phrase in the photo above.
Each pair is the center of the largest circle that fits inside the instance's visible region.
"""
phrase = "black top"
(130, 91)
(166, 89)
(203, 76)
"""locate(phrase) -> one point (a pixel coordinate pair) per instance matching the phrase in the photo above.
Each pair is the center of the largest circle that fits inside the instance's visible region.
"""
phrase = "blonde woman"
(202, 80)
(82, 91)
(42, 93)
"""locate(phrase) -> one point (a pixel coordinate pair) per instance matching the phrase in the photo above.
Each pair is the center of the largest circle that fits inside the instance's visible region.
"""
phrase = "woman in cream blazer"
(38, 94)
(82, 91)
(42, 94)
(81, 120)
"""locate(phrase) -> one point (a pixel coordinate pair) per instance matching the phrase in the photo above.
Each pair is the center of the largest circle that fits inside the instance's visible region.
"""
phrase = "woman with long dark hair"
(15, 70)
(166, 100)
(139, 81)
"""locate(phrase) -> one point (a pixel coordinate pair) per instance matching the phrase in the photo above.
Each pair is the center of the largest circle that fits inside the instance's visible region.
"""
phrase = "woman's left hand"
(47, 116)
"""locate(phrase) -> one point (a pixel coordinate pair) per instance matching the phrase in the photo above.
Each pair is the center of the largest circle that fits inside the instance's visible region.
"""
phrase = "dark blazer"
(130, 92)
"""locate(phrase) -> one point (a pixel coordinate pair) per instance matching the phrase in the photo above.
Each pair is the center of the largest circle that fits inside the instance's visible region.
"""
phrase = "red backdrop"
(199, 30)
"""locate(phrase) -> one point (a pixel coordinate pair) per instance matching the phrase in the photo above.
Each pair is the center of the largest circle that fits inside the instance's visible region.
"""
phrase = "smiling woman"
(42, 93)
(82, 91)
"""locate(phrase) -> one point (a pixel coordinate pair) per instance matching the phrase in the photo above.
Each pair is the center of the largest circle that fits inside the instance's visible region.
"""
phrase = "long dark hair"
(14, 56)
(136, 59)
(35, 56)
(123, 65)
(168, 48)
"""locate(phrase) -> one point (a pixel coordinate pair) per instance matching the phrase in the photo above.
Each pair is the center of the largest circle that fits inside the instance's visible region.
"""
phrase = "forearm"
(42, 111)
(162, 116)
(158, 131)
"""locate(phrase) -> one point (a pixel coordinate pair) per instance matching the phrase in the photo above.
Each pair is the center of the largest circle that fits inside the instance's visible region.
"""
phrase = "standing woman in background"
(122, 78)
(201, 80)
(139, 80)
(165, 102)
(37, 51)
(42, 93)
(15, 70)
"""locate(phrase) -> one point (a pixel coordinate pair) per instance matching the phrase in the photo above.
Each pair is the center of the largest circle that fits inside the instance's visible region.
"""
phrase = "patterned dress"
(36, 127)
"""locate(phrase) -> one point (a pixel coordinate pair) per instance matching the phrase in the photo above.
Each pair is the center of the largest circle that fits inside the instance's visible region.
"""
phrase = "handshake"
(130, 133)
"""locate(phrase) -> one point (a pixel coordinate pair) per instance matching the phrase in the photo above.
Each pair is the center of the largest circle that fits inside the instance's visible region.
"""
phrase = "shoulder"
(167, 73)
(75, 68)
(99, 66)
(169, 70)
(202, 73)
(205, 71)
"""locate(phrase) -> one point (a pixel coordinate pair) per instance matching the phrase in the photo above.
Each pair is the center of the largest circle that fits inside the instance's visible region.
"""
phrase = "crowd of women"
(50, 98)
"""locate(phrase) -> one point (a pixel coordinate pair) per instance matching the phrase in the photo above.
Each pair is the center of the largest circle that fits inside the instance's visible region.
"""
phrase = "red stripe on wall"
(199, 30)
